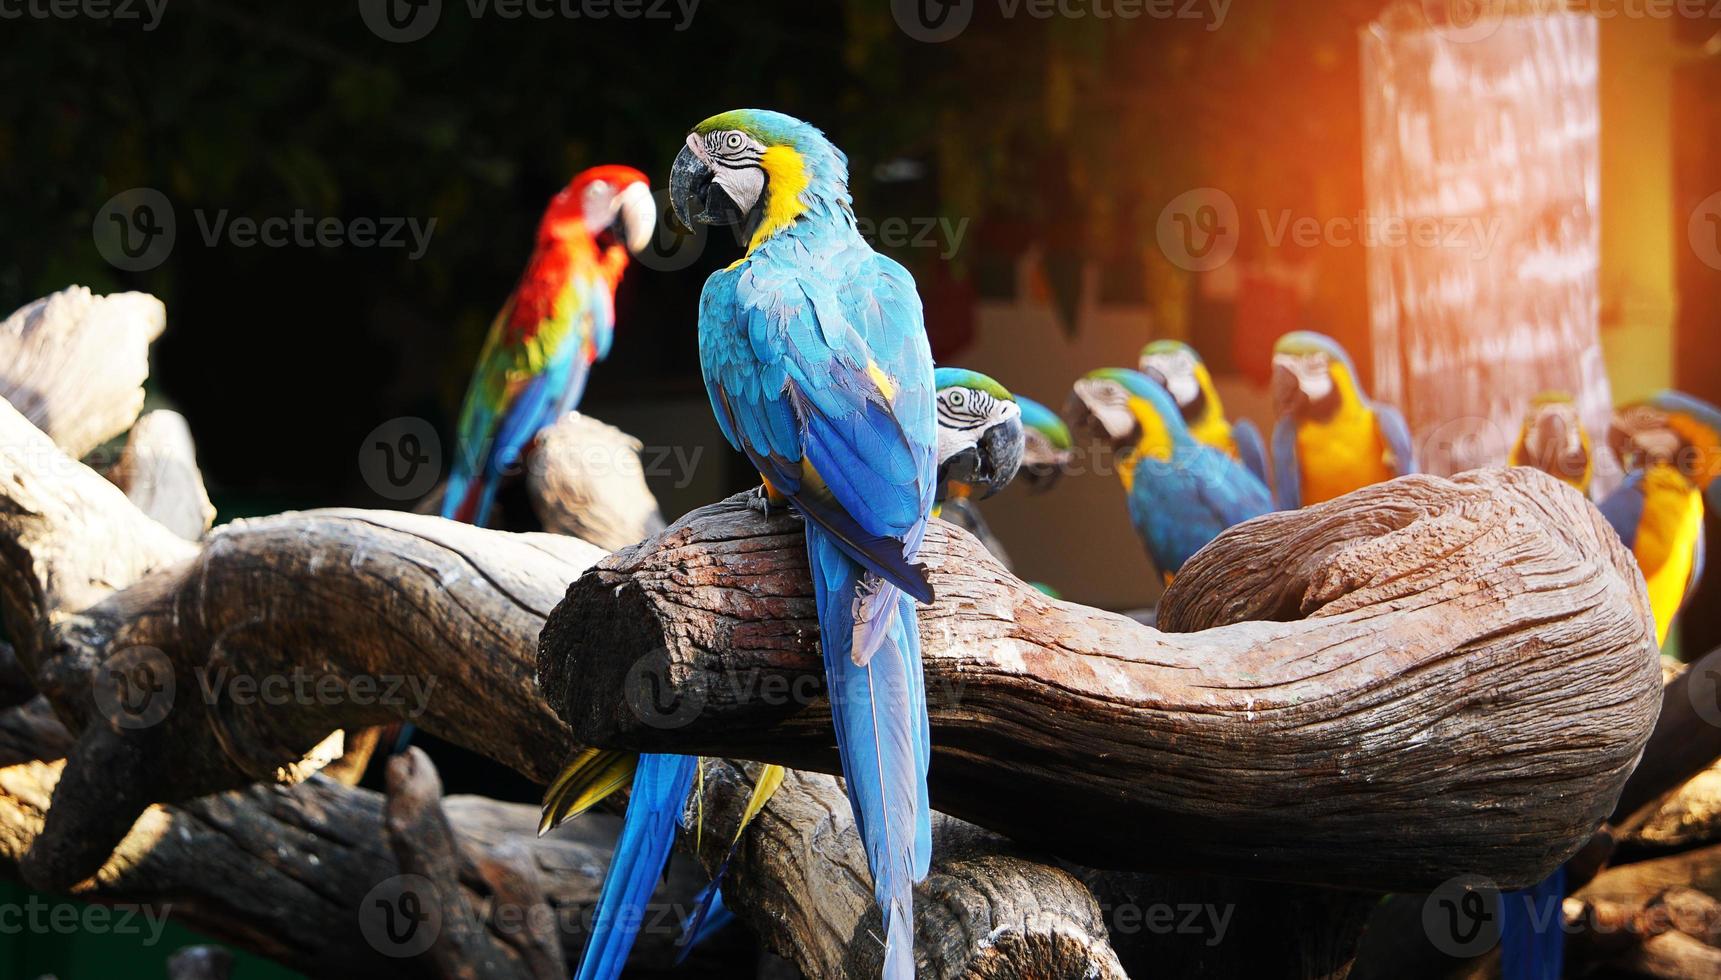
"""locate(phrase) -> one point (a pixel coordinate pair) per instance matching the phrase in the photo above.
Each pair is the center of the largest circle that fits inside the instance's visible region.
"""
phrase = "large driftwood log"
(353, 595)
(1423, 679)
(296, 873)
(74, 363)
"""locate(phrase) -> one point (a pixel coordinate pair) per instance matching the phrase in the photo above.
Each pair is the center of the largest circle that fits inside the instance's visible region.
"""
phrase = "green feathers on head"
(951, 377)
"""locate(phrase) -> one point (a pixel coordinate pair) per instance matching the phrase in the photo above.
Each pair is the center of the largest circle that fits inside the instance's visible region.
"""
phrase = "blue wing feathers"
(815, 354)
(1396, 435)
(1251, 450)
(1287, 472)
(660, 788)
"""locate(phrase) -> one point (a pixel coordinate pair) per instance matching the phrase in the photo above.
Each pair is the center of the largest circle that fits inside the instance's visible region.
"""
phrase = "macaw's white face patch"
(1108, 403)
(1178, 370)
(1313, 371)
(964, 415)
(737, 165)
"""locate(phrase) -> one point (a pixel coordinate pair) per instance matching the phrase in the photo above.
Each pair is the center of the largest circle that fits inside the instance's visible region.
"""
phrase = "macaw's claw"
(761, 500)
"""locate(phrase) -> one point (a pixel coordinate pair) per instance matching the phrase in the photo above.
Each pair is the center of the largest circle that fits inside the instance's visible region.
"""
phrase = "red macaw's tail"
(878, 705)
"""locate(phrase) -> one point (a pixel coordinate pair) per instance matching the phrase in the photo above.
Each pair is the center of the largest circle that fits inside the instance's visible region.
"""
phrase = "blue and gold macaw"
(980, 445)
(1330, 438)
(1658, 510)
(1553, 440)
(980, 435)
(1178, 367)
(1669, 446)
(816, 359)
(1047, 447)
(1698, 425)
(1182, 493)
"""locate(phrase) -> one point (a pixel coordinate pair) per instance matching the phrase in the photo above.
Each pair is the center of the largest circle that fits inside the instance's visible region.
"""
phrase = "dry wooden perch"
(1426, 678)
(74, 363)
(348, 596)
(587, 479)
(158, 471)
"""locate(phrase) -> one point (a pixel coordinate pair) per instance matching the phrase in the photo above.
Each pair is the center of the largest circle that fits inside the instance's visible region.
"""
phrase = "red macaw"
(558, 322)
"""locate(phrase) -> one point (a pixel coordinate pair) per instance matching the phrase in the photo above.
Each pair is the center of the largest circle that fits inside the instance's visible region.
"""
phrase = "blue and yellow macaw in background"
(1553, 440)
(1182, 493)
(980, 435)
(1047, 447)
(1330, 438)
(1669, 445)
(1658, 510)
(1177, 366)
(816, 359)
(1698, 425)
(980, 445)
(558, 322)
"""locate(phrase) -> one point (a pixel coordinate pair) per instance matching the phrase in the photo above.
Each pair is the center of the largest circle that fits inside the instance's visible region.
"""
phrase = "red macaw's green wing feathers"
(532, 368)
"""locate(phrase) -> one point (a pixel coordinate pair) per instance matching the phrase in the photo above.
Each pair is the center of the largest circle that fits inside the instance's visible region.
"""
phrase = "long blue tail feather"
(1532, 933)
(660, 788)
(883, 738)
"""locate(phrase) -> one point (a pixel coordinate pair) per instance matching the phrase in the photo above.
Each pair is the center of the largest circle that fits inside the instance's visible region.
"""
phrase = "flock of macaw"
(818, 369)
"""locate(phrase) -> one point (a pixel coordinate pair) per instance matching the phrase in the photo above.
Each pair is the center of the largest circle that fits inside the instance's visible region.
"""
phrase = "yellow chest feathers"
(1667, 539)
(1341, 454)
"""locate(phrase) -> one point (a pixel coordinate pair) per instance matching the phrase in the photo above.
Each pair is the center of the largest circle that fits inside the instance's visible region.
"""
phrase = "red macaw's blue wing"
(823, 377)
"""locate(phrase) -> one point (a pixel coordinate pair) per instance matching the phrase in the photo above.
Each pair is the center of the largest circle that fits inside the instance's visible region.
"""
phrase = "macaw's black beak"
(1001, 451)
(695, 196)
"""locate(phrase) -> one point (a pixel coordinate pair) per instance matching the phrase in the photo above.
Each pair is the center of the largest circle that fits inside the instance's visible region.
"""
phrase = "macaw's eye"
(956, 398)
(734, 141)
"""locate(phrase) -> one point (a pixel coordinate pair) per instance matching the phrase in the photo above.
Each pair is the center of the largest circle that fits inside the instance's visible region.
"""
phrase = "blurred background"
(1025, 159)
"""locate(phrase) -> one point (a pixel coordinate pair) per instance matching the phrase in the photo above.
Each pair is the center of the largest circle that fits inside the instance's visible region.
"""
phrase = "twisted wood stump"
(1423, 679)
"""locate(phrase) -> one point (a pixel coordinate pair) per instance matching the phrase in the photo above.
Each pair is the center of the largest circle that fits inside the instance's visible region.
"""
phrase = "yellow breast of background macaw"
(1216, 432)
(1341, 454)
(1666, 545)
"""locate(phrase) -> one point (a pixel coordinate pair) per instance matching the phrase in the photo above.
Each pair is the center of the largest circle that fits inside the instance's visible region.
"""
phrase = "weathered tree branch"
(1425, 678)
(74, 363)
(587, 479)
(158, 471)
(296, 873)
(352, 595)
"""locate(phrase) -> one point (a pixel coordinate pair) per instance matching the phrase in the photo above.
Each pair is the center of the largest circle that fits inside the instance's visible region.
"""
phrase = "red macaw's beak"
(636, 217)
